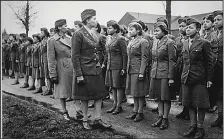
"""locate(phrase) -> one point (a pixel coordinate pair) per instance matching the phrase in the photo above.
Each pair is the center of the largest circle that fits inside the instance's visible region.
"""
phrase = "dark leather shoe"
(39, 90)
(158, 122)
(191, 132)
(181, 115)
(48, 92)
(31, 88)
(200, 133)
(91, 105)
(132, 116)
(111, 109)
(86, 125)
(218, 122)
(165, 124)
(139, 117)
(25, 86)
(15, 83)
(102, 123)
(117, 111)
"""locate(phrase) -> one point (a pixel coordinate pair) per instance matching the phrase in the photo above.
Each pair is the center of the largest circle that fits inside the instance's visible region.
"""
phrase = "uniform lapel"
(135, 41)
(87, 34)
(186, 45)
(163, 41)
(196, 42)
(112, 40)
(66, 41)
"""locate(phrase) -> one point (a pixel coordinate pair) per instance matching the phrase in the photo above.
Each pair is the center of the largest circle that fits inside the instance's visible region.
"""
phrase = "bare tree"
(25, 13)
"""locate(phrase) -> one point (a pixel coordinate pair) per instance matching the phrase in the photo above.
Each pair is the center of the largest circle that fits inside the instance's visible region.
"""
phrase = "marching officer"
(218, 75)
(44, 63)
(14, 55)
(179, 65)
(196, 77)
(87, 69)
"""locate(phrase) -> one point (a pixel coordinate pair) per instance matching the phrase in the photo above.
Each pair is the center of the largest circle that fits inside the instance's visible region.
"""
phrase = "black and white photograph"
(111, 69)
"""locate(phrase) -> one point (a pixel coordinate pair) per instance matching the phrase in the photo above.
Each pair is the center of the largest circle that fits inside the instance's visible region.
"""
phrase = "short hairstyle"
(98, 28)
(137, 26)
(163, 29)
(209, 17)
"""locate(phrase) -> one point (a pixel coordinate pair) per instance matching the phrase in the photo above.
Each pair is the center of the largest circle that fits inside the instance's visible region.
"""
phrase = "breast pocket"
(196, 53)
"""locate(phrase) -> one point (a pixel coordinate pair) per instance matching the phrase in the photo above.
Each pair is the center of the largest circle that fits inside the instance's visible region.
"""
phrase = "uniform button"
(95, 48)
(95, 59)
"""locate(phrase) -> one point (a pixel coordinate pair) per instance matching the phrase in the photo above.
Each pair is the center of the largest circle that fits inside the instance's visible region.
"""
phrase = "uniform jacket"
(163, 58)
(197, 62)
(43, 50)
(22, 52)
(28, 55)
(36, 55)
(138, 56)
(220, 50)
(84, 53)
(212, 37)
(116, 56)
(150, 40)
(14, 51)
(101, 51)
(179, 46)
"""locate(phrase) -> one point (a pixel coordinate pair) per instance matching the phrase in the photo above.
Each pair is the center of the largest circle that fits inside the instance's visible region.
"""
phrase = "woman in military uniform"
(116, 61)
(137, 83)
(60, 65)
(218, 68)
(212, 37)
(14, 55)
(88, 82)
(196, 77)
(162, 73)
(179, 66)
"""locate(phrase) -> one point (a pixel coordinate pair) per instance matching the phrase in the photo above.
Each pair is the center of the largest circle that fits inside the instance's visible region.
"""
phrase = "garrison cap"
(60, 22)
(218, 12)
(77, 22)
(160, 24)
(23, 35)
(137, 24)
(182, 19)
(162, 19)
(30, 40)
(209, 17)
(87, 13)
(44, 29)
(192, 20)
(52, 29)
(111, 22)
(37, 36)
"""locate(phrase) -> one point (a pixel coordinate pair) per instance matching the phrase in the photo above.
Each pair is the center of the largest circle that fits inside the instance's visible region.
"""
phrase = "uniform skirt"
(114, 79)
(136, 87)
(41, 70)
(94, 88)
(36, 73)
(28, 71)
(159, 89)
(195, 95)
(46, 71)
(218, 81)
(22, 68)
(15, 66)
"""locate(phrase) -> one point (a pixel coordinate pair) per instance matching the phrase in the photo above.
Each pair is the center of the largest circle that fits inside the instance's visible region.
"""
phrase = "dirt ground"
(23, 120)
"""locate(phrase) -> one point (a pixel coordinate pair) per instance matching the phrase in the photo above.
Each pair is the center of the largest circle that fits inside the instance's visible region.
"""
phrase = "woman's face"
(111, 30)
(52, 33)
(158, 33)
(92, 21)
(207, 24)
(63, 28)
(133, 32)
(191, 30)
(11, 38)
(35, 40)
(218, 21)
(182, 28)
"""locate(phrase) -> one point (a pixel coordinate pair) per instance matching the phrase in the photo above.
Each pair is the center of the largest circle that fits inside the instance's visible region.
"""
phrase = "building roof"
(151, 18)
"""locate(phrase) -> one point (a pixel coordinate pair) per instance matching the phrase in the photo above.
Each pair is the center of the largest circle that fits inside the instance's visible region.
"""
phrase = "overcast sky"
(50, 11)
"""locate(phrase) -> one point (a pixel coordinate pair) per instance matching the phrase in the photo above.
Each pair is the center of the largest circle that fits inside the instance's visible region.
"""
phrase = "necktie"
(190, 43)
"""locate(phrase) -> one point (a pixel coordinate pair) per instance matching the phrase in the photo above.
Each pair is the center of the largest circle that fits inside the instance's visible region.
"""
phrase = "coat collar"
(87, 34)
(113, 39)
(221, 36)
(135, 41)
(196, 41)
(162, 41)
(66, 41)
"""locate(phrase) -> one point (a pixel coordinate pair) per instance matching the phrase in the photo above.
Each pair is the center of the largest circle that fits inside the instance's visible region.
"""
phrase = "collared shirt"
(190, 42)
